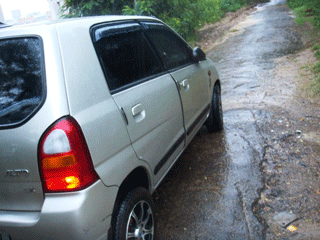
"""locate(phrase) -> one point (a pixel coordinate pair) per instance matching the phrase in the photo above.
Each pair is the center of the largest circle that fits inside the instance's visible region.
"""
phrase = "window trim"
(154, 52)
(43, 81)
(135, 83)
(94, 27)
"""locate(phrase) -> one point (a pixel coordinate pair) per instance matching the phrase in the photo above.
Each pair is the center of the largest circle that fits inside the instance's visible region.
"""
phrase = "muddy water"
(210, 192)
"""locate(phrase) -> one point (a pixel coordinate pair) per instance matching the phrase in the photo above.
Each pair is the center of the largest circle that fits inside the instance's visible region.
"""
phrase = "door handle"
(185, 85)
(138, 112)
(137, 109)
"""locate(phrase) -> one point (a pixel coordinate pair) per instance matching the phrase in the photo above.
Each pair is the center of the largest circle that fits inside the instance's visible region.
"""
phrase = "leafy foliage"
(185, 16)
(307, 9)
(232, 5)
(80, 8)
(316, 47)
(140, 8)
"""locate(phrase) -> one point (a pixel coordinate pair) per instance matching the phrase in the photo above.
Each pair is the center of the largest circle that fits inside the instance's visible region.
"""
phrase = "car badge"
(17, 173)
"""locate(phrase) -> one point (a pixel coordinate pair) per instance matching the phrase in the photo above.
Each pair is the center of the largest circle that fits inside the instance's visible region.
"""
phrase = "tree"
(80, 8)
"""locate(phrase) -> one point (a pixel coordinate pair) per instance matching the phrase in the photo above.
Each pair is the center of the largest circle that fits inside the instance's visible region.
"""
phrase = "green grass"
(307, 66)
(309, 11)
(316, 47)
(317, 54)
(302, 16)
(316, 68)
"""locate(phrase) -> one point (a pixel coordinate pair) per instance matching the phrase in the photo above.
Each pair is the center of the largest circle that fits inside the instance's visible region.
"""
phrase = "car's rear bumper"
(84, 214)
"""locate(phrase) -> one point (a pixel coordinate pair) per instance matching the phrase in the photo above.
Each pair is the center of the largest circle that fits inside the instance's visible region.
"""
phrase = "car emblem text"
(17, 173)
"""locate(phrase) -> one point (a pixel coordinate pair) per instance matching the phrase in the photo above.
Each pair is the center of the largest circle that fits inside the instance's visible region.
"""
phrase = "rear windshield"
(21, 80)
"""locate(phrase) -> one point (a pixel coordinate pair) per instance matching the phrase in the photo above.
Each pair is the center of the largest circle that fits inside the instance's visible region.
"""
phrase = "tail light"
(64, 158)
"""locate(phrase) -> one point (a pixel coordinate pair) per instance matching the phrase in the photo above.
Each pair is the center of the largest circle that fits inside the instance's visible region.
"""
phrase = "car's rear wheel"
(135, 219)
(214, 122)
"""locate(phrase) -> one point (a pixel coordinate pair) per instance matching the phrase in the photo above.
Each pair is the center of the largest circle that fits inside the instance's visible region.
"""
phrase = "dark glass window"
(125, 54)
(173, 51)
(21, 85)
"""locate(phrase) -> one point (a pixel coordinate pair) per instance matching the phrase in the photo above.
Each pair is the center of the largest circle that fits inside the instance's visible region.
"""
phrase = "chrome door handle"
(184, 83)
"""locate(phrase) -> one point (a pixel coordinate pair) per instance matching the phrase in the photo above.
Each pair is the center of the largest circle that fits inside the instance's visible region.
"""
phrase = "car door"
(147, 96)
(192, 77)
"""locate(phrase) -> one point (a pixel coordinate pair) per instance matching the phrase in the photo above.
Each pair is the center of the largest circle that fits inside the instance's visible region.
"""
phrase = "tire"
(135, 219)
(214, 122)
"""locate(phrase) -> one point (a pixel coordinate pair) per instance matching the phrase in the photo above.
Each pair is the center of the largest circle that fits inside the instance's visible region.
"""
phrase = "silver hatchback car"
(93, 114)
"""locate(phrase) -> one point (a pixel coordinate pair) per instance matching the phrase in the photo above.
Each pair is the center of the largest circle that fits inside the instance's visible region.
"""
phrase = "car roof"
(80, 25)
(81, 20)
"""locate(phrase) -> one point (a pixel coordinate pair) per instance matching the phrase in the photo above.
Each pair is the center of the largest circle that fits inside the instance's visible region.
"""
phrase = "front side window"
(21, 83)
(174, 52)
(125, 54)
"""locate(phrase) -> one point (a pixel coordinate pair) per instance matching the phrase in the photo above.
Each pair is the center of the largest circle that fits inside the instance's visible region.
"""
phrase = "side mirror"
(198, 55)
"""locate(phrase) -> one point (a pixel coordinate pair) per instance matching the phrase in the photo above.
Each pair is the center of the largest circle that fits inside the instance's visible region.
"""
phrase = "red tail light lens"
(64, 158)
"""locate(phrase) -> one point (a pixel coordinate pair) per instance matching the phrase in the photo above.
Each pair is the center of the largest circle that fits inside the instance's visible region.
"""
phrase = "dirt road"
(269, 68)
(259, 177)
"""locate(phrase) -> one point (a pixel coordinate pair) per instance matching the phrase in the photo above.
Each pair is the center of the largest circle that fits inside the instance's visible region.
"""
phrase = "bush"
(309, 9)
(185, 16)
(316, 47)
(232, 5)
(140, 8)
(295, 3)
(316, 68)
(317, 54)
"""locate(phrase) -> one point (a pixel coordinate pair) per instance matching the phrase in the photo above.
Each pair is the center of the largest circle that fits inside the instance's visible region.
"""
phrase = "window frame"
(42, 79)
(93, 30)
(177, 36)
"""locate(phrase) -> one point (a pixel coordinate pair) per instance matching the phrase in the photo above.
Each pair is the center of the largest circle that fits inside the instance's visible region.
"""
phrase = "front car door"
(146, 95)
(191, 77)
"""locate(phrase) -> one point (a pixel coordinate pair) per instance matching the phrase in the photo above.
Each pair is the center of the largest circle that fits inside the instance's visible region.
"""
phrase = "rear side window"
(174, 52)
(125, 55)
(21, 83)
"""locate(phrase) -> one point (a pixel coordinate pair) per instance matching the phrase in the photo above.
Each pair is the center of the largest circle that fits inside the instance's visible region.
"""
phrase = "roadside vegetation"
(184, 16)
(309, 11)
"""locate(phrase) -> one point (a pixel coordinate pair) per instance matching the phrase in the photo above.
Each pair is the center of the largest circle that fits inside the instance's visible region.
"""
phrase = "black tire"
(135, 218)
(214, 122)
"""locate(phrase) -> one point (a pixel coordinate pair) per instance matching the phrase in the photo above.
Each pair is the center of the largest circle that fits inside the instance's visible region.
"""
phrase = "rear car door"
(147, 96)
(191, 77)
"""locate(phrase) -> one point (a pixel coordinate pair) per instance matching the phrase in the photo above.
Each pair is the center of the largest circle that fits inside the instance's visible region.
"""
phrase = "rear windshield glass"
(21, 86)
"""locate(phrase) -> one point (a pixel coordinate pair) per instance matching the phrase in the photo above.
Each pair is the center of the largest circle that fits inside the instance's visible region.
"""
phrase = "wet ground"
(261, 173)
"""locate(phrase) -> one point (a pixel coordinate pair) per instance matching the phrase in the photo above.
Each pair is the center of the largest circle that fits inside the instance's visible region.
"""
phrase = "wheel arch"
(139, 177)
(217, 81)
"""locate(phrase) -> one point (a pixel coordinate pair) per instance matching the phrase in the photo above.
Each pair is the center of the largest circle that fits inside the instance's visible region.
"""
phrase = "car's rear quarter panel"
(92, 105)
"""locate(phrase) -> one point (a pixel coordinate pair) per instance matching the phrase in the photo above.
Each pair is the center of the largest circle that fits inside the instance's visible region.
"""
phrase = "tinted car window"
(173, 51)
(21, 86)
(125, 54)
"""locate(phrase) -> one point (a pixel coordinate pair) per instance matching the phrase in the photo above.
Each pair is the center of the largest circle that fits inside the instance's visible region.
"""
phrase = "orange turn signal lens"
(58, 162)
